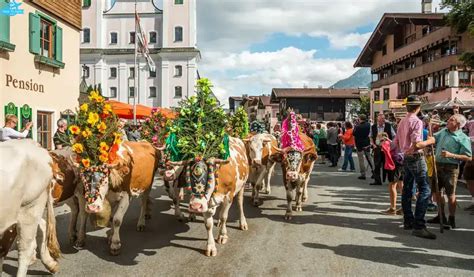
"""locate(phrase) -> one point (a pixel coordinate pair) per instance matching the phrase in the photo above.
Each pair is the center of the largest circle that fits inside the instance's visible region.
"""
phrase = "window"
(86, 72)
(5, 43)
(113, 92)
(152, 92)
(113, 72)
(386, 94)
(86, 3)
(132, 72)
(178, 2)
(178, 71)
(376, 95)
(152, 74)
(178, 92)
(152, 37)
(43, 125)
(113, 38)
(86, 35)
(464, 78)
(46, 40)
(178, 34)
(131, 92)
(384, 50)
(132, 38)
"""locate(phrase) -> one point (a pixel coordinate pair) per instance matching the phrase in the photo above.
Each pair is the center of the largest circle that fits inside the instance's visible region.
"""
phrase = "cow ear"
(277, 157)
(312, 157)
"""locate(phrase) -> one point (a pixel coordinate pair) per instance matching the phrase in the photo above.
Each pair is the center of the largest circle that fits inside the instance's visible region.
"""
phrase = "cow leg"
(306, 181)
(28, 220)
(298, 198)
(176, 202)
(73, 204)
(143, 211)
(81, 234)
(289, 199)
(243, 220)
(258, 186)
(122, 208)
(224, 213)
(268, 177)
(48, 261)
(211, 249)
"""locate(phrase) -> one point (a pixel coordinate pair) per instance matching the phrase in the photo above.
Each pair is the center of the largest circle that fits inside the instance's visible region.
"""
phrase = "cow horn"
(73, 161)
(219, 161)
(161, 148)
(180, 163)
(267, 140)
(277, 149)
(246, 139)
(308, 149)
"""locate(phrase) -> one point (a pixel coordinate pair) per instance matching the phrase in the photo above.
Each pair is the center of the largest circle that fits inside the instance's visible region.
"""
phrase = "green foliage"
(461, 18)
(238, 125)
(360, 107)
(155, 127)
(199, 130)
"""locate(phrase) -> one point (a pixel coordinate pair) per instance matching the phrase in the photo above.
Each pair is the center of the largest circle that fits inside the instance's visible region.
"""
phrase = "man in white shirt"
(8, 132)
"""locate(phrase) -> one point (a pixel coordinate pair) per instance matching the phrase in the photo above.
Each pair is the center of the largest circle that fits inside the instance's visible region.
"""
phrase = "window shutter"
(58, 45)
(87, 3)
(4, 24)
(34, 27)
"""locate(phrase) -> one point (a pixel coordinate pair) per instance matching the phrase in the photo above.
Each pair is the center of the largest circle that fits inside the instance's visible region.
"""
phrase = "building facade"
(39, 63)
(108, 43)
(416, 53)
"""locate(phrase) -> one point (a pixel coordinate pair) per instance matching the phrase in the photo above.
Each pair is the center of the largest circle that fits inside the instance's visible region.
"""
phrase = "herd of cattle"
(33, 179)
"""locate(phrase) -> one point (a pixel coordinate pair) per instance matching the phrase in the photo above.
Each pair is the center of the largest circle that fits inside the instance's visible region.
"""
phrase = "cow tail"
(51, 236)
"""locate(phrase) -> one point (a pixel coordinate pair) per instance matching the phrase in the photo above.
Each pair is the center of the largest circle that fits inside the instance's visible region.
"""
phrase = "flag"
(143, 44)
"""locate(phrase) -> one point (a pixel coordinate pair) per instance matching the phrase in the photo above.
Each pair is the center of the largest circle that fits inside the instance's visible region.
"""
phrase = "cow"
(131, 175)
(297, 167)
(213, 183)
(259, 149)
(25, 191)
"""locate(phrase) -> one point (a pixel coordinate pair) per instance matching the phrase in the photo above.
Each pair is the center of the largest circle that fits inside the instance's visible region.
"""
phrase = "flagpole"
(135, 89)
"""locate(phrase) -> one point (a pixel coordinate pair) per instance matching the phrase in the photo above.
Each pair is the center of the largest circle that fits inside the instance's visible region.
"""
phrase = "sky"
(252, 46)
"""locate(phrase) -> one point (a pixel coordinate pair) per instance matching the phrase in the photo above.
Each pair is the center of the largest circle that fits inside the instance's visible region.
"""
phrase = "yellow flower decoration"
(102, 127)
(74, 129)
(86, 163)
(103, 147)
(78, 148)
(104, 157)
(93, 118)
(107, 109)
(118, 138)
(84, 107)
(86, 133)
(95, 96)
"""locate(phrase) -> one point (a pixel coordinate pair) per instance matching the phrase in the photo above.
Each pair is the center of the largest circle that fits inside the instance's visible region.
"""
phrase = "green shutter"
(34, 33)
(4, 24)
(58, 45)
(86, 3)
(25, 117)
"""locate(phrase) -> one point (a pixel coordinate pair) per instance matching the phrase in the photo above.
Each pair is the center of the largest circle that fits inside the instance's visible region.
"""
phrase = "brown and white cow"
(259, 149)
(131, 175)
(214, 183)
(297, 167)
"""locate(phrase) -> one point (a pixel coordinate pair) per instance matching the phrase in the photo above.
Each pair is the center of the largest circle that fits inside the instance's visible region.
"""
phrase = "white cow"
(25, 190)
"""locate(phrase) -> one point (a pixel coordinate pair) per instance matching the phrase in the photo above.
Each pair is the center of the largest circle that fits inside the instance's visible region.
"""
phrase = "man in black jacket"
(381, 126)
(362, 141)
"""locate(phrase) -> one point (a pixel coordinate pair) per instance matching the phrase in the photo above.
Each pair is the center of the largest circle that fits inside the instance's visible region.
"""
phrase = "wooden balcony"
(421, 70)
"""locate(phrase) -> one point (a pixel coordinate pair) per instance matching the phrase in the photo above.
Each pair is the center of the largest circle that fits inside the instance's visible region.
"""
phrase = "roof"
(237, 98)
(386, 26)
(314, 93)
(265, 100)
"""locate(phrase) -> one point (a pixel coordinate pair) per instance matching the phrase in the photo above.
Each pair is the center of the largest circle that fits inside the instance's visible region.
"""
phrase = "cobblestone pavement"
(340, 232)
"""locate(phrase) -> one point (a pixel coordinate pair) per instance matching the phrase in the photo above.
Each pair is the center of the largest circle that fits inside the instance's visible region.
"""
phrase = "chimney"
(426, 6)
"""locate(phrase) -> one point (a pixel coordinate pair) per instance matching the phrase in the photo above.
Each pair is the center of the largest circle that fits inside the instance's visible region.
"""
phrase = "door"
(44, 129)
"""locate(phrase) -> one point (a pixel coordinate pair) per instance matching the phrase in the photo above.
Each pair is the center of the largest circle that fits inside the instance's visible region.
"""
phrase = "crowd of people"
(419, 155)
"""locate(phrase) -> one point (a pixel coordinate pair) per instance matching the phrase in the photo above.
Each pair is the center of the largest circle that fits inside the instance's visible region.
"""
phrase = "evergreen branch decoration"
(238, 124)
(199, 130)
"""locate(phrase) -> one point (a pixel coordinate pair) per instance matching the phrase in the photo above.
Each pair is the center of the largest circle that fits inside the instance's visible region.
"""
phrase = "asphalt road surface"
(340, 232)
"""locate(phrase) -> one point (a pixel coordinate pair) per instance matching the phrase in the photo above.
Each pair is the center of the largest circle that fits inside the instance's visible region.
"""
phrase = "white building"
(107, 49)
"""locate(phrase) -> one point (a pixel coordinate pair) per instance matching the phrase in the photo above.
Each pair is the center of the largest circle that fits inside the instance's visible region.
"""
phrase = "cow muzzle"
(93, 208)
(169, 175)
(197, 205)
(292, 176)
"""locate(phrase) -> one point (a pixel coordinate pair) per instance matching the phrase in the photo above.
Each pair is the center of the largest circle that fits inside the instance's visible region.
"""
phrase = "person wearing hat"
(409, 141)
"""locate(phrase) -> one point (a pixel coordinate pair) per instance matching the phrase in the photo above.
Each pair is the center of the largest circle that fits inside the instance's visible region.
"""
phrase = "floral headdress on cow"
(290, 137)
(96, 136)
(155, 128)
(238, 125)
(257, 127)
(199, 133)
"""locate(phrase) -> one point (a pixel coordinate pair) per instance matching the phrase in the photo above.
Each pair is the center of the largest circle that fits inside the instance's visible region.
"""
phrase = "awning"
(448, 104)
(124, 110)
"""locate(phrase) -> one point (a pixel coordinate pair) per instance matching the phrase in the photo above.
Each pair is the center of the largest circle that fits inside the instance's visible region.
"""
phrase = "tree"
(359, 107)
(461, 18)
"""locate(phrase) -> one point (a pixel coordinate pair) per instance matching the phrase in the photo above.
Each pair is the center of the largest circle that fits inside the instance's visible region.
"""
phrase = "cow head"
(292, 160)
(96, 185)
(255, 147)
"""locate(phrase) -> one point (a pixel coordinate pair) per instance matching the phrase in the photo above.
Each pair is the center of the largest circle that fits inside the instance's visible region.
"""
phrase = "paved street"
(340, 232)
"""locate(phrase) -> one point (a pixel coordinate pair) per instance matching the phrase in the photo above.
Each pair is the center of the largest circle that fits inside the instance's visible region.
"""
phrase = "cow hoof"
(192, 217)
(115, 249)
(147, 216)
(222, 239)
(72, 239)
(299, 209)
(53, 267)
(288, 216)
(79, 244)
(33, 259)
(211, 251)
(140, 228)
(257, 203)
(244, 226)
(180, 218)
(264, 191)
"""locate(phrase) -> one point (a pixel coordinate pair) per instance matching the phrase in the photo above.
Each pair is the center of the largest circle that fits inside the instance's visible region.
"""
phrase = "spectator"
(61, 138)
(320, 136)
(349, 142)
(409, 141)
(452, 147)
(362, 143)
(121, 127)
(8, 132)
(380, 127)
(332, 143)
(469, 167)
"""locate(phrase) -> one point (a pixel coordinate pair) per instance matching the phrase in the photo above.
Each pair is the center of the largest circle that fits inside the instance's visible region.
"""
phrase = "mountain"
(361, 78)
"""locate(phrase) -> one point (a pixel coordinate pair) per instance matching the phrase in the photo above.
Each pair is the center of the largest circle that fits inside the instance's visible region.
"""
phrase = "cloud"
(343, 41)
